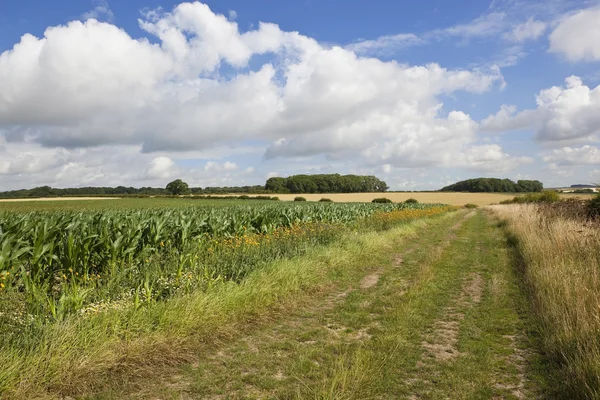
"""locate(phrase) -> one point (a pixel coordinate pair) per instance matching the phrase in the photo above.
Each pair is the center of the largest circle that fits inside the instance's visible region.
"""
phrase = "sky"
(232, 92)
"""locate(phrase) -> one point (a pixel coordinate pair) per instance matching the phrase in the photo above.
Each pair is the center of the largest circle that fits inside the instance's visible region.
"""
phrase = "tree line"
(494, 185)
(333, 183)
(326, 183)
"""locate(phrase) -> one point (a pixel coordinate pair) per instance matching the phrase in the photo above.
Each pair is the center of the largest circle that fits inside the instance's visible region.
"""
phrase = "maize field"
(58, 263)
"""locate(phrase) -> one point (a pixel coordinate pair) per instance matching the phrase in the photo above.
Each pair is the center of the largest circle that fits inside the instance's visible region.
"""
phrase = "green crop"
(62, 260)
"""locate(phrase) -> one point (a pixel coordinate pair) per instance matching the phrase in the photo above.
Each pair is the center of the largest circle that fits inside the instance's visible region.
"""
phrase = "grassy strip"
(80, 355)
(368, 342)
(559, 259)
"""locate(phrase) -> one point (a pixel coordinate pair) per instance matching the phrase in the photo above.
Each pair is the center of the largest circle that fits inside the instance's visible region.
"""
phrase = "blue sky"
(224, 93)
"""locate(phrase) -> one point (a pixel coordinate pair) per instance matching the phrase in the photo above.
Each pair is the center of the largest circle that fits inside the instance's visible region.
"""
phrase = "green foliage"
(547, 196)
(494, 185)
(582, 191)
(411, 201)
(325, 200)
(326, 183)
(265, 198)
(299, 198)
(178, 187)
(39, 249)
(471, 205)
(381, 200)
(593, 207)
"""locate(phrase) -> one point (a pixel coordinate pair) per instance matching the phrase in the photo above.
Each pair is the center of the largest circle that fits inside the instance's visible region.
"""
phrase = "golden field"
(455, 199)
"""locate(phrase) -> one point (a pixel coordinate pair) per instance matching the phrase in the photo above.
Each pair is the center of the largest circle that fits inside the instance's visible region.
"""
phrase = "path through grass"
(438, 315)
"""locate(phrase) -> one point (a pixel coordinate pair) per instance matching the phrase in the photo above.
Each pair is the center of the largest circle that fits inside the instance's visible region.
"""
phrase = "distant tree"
(381, 200)
(326, 183)
(494, 185)
(178, 187)
(42, 191)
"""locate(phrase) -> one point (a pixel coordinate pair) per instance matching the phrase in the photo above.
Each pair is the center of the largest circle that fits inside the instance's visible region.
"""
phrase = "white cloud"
(577, 36)
(529, 30)
(167, 97)
(569, 156)
(232, 15)
(567, 113)
(385, 45)
(507, 119)
(161, 168)
(216, 167)
(101, 12)
(484, 26)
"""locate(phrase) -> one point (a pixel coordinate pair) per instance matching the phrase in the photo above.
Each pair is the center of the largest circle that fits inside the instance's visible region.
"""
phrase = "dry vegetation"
(455, 199)
(560, 251)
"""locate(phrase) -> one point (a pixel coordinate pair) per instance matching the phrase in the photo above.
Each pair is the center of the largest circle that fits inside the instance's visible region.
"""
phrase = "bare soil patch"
(370, 280)
(517, 360)
(442, 345)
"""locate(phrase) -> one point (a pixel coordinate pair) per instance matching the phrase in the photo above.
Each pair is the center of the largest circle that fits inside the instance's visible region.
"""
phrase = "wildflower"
(2, 285)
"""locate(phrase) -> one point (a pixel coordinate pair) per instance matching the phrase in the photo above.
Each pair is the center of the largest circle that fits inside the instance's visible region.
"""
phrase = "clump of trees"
(383, 200)
(178, 187)
(326, 183)
(494, 185)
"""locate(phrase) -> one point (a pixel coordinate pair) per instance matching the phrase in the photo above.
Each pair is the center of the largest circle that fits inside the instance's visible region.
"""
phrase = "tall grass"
(561, 261)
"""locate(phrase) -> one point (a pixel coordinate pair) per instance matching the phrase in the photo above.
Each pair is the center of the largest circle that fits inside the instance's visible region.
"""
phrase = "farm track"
(442, 318)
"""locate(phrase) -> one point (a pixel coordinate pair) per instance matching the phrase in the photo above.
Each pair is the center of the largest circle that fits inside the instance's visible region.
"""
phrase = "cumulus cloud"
(161, 168)
(528, 30)
(571, 156)
(90, 85)
(567, 113)
(577, 36)
(213, 166)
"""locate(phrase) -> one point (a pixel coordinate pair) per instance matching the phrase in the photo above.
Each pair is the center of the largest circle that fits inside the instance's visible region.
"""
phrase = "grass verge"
(559, 259)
